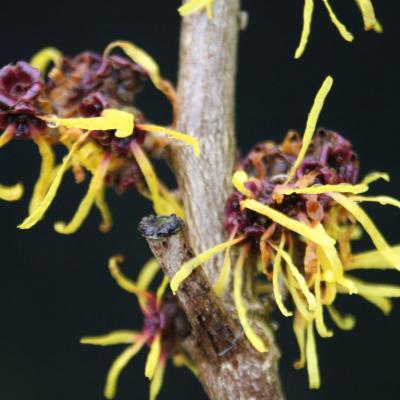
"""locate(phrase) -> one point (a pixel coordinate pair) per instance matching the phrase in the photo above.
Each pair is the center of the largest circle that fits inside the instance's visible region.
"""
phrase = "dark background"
(54, 289)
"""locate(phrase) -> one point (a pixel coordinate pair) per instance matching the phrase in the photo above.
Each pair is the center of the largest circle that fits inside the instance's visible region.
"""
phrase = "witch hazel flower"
(292, 217)
(87, 105)
(164, 327)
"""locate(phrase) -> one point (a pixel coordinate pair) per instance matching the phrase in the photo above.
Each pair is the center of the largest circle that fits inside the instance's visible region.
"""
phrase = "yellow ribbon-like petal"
(120, 121)
(11, 193)
(387, 252)
(223, 276)
(372, 259)
(156, 383)
(46, 172)
(83, 210)
(41, 209)
(105, 212)
(296, 226)
(314, 379)
(112, 338)
(6, 136)
(320, 189)
(153, 357)
(117, 366)
(368, 14)
(147, 273)
(188, 267)
(161, 289)
(305, 33)
(374, 176)
(193, 6)
(383, 200)
(239, 180)
(183, 137)
(299, 328)
(311, 123)
(44, 57)
(251, 335)
(319, 313)
(344, 322)
(346, 35)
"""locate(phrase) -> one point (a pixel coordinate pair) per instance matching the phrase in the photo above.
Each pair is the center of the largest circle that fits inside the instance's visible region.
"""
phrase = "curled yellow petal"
(192, 6)
(105, 212)
(344, 322)
(41, 209)
(305, 33)
(276, 272)
(182, 360)
(346, 35)
(183, 137)
(374, 176)
(117, 366)
(311, 123)
(161, 289)
(188, 267)
(384, 304)
(320, 189)
(150, 177)
(368, 14)
(82, 212)
(44, 57)
(46, 172)
(123, 281)
(383, 200)
(112, 338)
(379, 241)
(6, 136)
(372, 259)
(223, 276)
(156, 383)
(299, 328)
(139, 56)
(319, 313)
(251, 335)
(11, 193)
(289, 223)
(153, 357)
(120, 121)
(299, 278)
(239, 180)
(314, 379)
(147, 273)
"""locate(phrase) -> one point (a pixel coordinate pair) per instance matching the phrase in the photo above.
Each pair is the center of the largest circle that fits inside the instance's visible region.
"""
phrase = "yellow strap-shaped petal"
(120, 121)
(379, 241)
(251, 335)
(46, 172)
(383, 200)
(102, 206)
(298, 298)
(112, 338)
(384, 304)
(123, 281)
(311, 123)
(150, 177)
(156, 383)
(188, 267)
(299, 278)
(183, 137)
(320, 189)
(182, 360)
(368, 14)
(44, 57)
(346, 35)
(374, 176)
(239, 180)
(41, 209)
(117, 366)
(161, 289)
(11, 193)
(153, 357)
(319, 313)
(372, 259)
(314, 379)
(139, 56)
(223, 277)
(292, 224)
(299, 328)
(147, 273)
(6, 136)
(344, 322)
(375, 289)
(276, 272)
(193, 6)
(305, 33)
(172, 201)
(95, 187)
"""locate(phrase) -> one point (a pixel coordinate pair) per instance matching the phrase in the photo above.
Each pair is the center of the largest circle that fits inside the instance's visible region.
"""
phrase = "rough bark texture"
(229, 367)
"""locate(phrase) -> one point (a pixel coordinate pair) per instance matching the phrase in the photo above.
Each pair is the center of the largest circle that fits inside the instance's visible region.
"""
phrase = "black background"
(54, 289)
